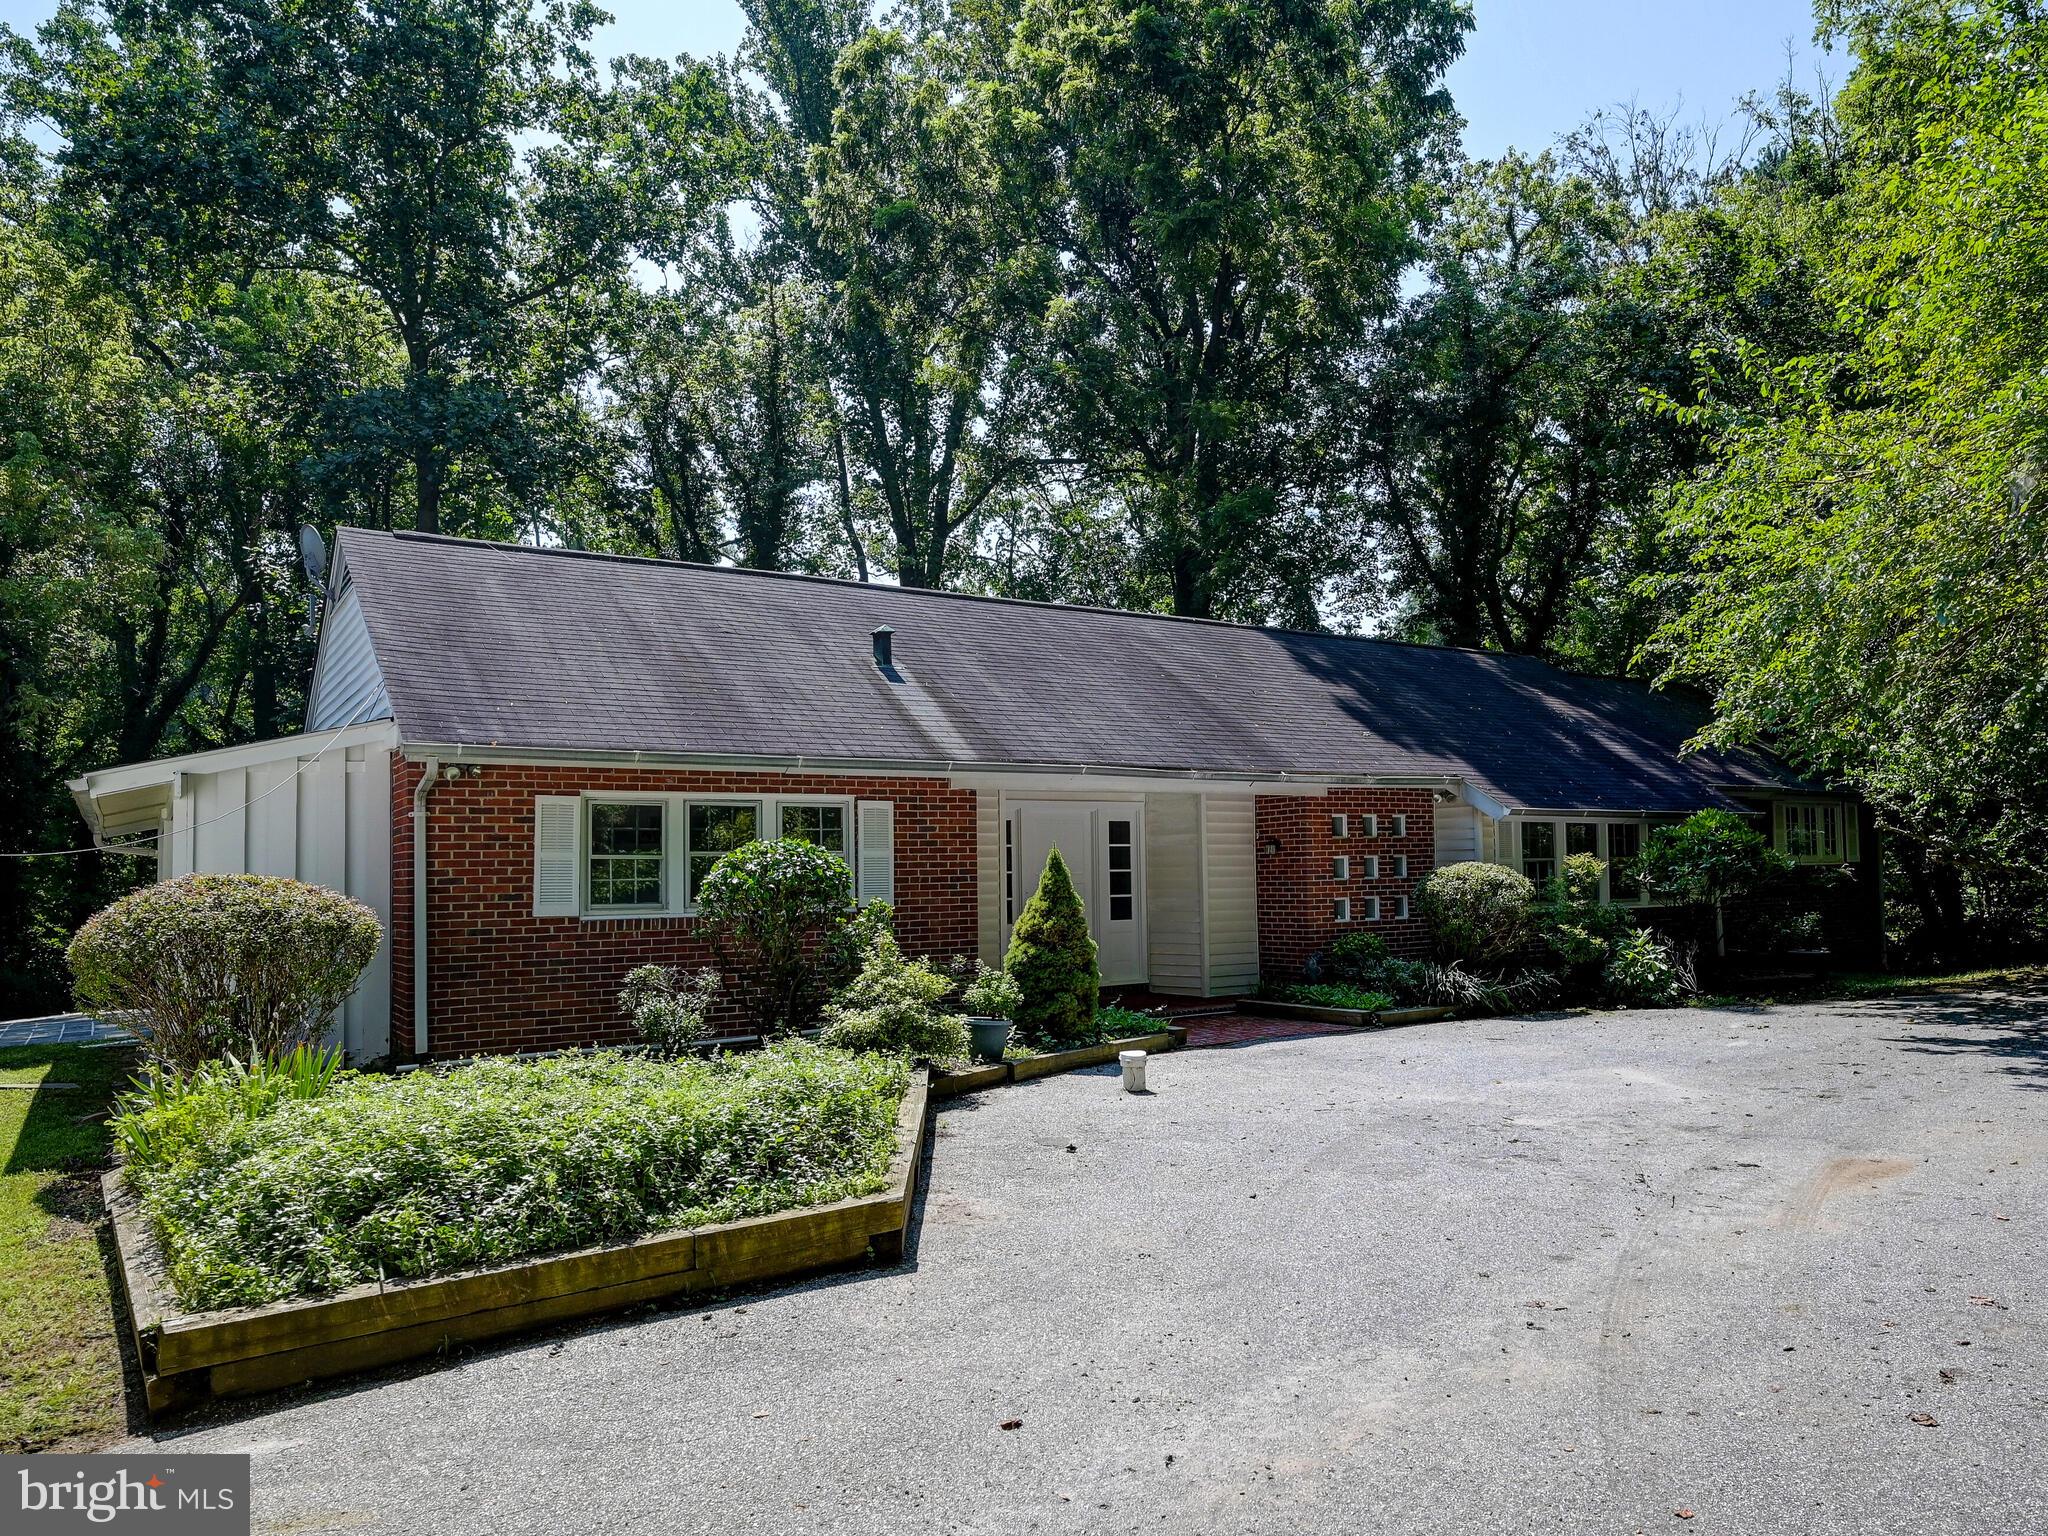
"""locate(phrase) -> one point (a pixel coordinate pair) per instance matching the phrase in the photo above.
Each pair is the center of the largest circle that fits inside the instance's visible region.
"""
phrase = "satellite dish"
(313, 554)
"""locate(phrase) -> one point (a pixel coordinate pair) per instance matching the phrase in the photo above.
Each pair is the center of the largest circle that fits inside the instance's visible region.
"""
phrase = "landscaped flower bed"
(256, 1194)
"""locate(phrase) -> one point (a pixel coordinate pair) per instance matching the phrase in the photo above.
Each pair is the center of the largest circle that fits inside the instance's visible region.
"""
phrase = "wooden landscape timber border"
(948, 1085)
(1361, 1017)
(189, 1357)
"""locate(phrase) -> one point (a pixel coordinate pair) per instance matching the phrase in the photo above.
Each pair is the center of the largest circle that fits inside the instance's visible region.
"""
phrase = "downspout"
(428, 778)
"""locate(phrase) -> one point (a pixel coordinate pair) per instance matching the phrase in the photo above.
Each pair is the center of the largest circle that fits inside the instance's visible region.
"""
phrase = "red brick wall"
(1296, 886)
(501, 979)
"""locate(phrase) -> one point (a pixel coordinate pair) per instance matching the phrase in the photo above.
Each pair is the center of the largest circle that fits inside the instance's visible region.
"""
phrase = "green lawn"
(60, 1374)
(1887, 983)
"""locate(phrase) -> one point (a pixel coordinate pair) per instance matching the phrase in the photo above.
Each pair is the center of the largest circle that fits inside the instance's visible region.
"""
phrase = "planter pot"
(988, 1038)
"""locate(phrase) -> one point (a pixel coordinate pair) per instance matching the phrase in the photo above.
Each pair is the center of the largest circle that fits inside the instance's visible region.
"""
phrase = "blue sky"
(1532, 71)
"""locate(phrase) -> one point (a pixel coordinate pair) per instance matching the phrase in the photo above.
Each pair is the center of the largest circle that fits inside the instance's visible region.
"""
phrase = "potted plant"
(992, 1000)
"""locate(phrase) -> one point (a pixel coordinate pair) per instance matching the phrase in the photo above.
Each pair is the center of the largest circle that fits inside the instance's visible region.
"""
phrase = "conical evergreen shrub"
(1052, 959)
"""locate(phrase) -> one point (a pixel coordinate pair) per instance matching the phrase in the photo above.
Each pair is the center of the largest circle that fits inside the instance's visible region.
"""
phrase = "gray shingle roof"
(517, 647)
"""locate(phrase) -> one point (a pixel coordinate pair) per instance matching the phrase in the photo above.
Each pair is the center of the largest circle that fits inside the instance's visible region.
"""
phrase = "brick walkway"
(58, 1029)
(1249, 1029)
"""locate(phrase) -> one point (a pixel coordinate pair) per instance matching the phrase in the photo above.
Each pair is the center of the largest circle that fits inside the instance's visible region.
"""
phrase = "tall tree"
(380, 146)
(875, 181)
(1508, 462)
(1866, 586)
(1225, 196)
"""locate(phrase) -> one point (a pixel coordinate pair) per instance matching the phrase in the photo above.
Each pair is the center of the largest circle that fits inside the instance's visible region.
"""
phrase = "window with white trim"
(821, 823)
(627, 869)
(1340, 826)
(1400, 906)
(1401, 867)
(1372, 909)
(1539, 851)
(1340, 909)
(1814, 831)
(1372, 826)
(1372, 866)
(1123, 871)
(1340, 868)
(1009, 869)
(1400, 826)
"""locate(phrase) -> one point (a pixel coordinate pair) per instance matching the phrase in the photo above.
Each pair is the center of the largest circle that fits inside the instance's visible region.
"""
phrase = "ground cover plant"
(262, 1184)
(1337, 994)
(60, 1373)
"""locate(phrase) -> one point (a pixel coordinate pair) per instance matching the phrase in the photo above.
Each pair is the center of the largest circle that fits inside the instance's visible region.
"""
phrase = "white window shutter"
(557, 821)
(875, 871)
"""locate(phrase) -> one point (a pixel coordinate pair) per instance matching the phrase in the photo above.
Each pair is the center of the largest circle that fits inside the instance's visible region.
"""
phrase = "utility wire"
(149, 843)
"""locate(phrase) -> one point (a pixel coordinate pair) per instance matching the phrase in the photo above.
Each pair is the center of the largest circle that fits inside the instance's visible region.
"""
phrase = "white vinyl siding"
(347, 686)
(1230, 893)
(988, 878)
(1457, 835)
(1173, 894)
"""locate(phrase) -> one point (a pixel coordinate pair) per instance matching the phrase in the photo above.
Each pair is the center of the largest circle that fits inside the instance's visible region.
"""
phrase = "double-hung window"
(716, 829)
(822, 825)
(628, 865)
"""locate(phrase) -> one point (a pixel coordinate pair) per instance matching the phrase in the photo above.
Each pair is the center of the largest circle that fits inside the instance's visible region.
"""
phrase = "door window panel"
(1123, 875)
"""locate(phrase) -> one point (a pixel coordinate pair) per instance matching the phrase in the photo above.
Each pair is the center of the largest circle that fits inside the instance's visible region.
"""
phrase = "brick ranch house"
(525, 760)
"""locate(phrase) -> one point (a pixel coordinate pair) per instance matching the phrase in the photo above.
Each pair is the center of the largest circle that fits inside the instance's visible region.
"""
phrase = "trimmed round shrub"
(1052, 960)
(768, 905)
(1477, 913)
(216, 965)
(896, 1006)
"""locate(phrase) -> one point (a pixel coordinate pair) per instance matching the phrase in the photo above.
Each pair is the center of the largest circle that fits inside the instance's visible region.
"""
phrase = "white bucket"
(1134, 1070)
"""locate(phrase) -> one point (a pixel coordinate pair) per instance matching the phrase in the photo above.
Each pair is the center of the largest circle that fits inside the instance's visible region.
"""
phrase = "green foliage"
(1052, 960)
(1363, 960)
(1118, 1023)
(992, 994)
(769, 905)
(1866, 586)
(1643, 972)
(1709, 858)
(1221, 200)
(426, 1172)
(1571, 920)
(217, 965)
(1468, 992)
(896, 1005)
(669, 1007)
(1337, 994)
(1477, 913)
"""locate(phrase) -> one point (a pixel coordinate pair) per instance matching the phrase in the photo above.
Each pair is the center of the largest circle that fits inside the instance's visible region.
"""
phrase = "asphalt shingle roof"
(518, 647)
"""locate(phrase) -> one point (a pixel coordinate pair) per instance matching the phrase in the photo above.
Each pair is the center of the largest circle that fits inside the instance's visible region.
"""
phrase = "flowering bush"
(216, 965)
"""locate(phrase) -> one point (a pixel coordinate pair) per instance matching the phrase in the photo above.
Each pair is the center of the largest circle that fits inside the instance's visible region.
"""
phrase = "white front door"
(1103, 845)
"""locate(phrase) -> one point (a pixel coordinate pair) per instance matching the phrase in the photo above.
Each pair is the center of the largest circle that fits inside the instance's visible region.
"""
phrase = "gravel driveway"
(1547, 1274)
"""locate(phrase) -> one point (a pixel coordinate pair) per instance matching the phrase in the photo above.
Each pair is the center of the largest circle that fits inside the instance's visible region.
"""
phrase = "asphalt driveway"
(1545, 1274)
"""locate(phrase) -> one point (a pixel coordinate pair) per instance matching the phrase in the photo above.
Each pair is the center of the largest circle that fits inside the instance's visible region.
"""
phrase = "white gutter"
(420, 792)
(1271, 780)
